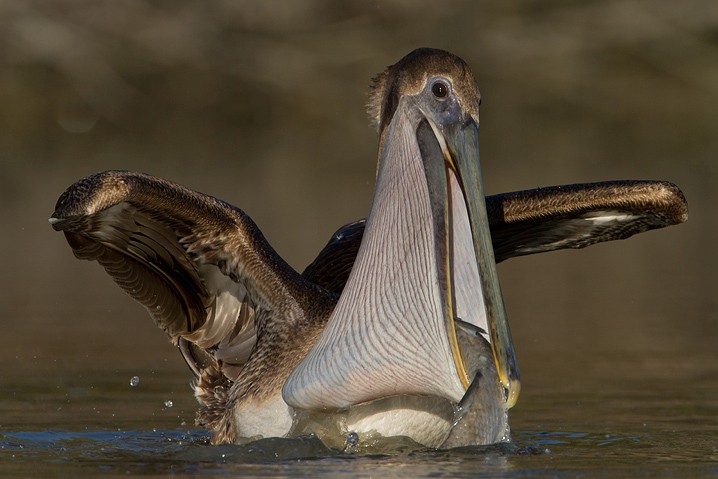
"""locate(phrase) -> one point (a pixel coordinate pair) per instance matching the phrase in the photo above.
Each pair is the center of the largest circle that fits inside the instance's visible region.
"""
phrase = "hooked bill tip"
(512, 389)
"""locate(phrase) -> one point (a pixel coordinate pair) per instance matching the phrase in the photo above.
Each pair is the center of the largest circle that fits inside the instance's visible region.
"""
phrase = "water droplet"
(134, 381)
(169, 403)
(352, 441)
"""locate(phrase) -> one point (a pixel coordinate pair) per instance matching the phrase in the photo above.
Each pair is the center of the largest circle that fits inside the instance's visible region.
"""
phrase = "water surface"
(641, 421)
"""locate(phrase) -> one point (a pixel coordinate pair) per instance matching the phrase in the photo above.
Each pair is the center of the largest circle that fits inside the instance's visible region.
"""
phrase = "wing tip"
(673, 201)
(90, 194)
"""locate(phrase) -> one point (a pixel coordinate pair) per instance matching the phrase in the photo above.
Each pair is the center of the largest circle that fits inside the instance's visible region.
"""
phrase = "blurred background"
(262, 104)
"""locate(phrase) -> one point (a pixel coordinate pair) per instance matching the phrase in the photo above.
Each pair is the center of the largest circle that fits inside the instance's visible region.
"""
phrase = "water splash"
(352, 441)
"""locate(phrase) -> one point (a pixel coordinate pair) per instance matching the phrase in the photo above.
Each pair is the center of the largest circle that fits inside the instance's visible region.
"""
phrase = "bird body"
(397, 328)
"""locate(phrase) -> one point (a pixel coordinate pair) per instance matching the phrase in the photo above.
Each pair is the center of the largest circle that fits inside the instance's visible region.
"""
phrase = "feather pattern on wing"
(200, 266)
(538, 220)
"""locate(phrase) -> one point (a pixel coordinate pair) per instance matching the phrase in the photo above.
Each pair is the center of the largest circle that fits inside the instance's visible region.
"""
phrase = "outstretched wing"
(576, 216)
(539, 220)
(200, 266)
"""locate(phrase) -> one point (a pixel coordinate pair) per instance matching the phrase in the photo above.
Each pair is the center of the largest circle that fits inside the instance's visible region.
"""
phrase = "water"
(656, 419)
(531, 454)
(262, 106)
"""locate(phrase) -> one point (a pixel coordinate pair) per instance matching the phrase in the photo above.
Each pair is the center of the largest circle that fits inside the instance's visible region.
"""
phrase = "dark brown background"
(262, 104)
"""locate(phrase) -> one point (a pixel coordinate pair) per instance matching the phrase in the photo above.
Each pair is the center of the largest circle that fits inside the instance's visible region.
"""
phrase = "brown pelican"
(398, 327)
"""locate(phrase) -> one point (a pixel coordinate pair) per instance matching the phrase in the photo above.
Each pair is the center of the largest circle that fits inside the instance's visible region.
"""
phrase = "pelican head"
(426, 264)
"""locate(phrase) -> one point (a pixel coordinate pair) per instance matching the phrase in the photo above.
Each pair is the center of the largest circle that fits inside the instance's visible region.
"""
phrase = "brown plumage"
(242, 318)
(161, 242)
(538, 220)
(407, 76)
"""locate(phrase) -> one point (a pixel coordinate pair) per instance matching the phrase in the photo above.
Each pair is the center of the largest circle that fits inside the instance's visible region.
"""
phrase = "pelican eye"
(440, 89)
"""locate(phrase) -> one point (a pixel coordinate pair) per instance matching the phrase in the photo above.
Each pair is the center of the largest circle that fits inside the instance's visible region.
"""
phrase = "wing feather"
(199, 266)
(538, 220)
(576, 216)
